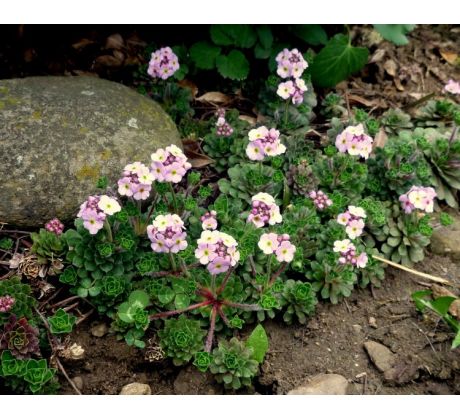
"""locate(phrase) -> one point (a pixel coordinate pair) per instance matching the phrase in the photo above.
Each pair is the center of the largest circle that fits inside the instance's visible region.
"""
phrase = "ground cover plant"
(193, 260)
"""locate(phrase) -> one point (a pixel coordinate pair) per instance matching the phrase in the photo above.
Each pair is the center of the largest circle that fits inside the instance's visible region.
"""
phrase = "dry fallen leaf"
(193, 152)
(378, 55)
(398, 84)
(108, 61)
(214, 97)
(380, 138)
(248, 119)
(390, 67)
(83, 43)
(114, 41)
(449, 56)
(362, 101)
(185, 83)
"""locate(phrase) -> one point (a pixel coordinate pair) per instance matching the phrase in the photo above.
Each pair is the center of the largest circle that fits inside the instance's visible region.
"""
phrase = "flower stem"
(183, 266)
(277, 274)
(212, 327)
(173, 196)
(286, 113)
(269, 267)
(180, 311)
(173, 262)
(108, 230)
(225, 281)
(244, 306)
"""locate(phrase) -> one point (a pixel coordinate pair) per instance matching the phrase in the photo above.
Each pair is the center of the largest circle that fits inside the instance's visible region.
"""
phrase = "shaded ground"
(331, 342)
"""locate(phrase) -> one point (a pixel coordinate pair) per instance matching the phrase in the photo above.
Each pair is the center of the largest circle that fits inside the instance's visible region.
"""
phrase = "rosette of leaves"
(341, 173)
(333, 105)
(436, 113)
(38, 374)
(395, 120)
(374, 272)
(246, 180)
(299, 299)
(301, 179)
(443, 153)
(20, 338)
(47, 246)
(135, 316)
(233, 364)
(181, 338)
(375, 211)
(171, 293)
(61, 322)
(202, 361)
(6, 244)
(398, 166)
(24, 303)
(402, 238)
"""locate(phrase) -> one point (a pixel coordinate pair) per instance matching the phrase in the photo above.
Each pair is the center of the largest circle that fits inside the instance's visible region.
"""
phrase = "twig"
(419, 101)
(80, 320)
(212, 326)
(63, 302)
(63, 371)
(412, 271)
(180, 311)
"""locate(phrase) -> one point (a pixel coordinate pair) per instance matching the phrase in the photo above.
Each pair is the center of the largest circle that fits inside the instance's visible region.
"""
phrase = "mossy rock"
(58, 135)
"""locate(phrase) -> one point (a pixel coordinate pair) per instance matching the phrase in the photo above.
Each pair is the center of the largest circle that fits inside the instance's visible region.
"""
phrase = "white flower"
(109, 205)
(357, 211)
(264, 197)
(342, 246)
(258, 133)
(161, 222)
(158, 156)
(268, 243)
(227, 239)
(209, 237)
(175, 151)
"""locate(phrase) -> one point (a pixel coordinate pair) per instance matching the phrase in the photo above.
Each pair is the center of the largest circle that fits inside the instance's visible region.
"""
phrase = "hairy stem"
(225, 281)
(212, 327)
(108, 229)
(223, 316)
(173, 262)
(173, 196)
(180, 311)
(277, 274)
(244, 306)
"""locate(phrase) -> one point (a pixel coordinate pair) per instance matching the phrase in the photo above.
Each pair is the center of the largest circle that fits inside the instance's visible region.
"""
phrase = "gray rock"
(323, 384)
(445, 240)
(136, 388)
(78, 381)
(58, 135)
(99, 330)
(380, 355)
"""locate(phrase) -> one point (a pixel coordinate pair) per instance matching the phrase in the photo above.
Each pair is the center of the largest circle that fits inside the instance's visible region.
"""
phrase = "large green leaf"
(140, 297)
(336, 61)
(395, 33)
(258, 340)
(265, 36)
(204, 54)
(233, 66)
(311, 34)
(243, 36)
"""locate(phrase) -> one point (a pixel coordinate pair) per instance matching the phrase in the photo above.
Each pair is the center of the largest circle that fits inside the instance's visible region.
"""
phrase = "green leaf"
(395, 33)
(166, 295)
(204, 55)
(181, 301)
(234, 66)
(336, 61)
(311, 34)
(418, 296)
(125, 312)
(265, 36)
(441, 305)
(261, 52)
(258, 340)
(242, 36)
(140, 297)
(82, 292)
(456, 341)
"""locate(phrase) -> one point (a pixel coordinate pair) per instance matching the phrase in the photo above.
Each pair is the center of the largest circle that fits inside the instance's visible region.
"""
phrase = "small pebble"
(372, 322)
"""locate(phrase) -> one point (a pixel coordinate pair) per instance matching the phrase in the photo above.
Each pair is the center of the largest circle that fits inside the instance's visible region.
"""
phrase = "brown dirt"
(331, 342)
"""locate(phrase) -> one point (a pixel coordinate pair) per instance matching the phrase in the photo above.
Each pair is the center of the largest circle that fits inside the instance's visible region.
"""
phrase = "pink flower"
(264, 142)
(142, 192)
(285, 252)
(218, 265)
(421, 198)
(55, 226)
(205, 253)
(93, 221)
(354, 141)
(163, 64)
(169, 165)
(361, 261)
(452, 87)
(343, 218)
(209, 221)
(166, 234)
(268, 243)
(6, 303)
(290, 63)
(255, 150)
(355, 228)
(321, 200)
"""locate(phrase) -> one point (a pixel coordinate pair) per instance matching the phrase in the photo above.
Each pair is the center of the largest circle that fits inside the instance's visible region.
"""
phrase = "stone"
(445, 240)
(78, 382)
(380, 355)
(99, 330)
(372, 322)
(136, 388)
(59, 135)
(323, 384)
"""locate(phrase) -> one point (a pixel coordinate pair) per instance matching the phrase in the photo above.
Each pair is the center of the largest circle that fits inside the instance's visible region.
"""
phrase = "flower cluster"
(264, 142)
(167, 234)
(209, 220)
(217, 250)
(95, 210)
(169, 165)
(271, 243)
(223, 127)
(320, 200)
(421, 198)
(452, 87)
(264, 210)
(55, 225)
(291, 64)
(353, 219)
(136, 182)
(293, 90)
(354, 141)
(6, 303)
(348, 254)
(163, 64)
